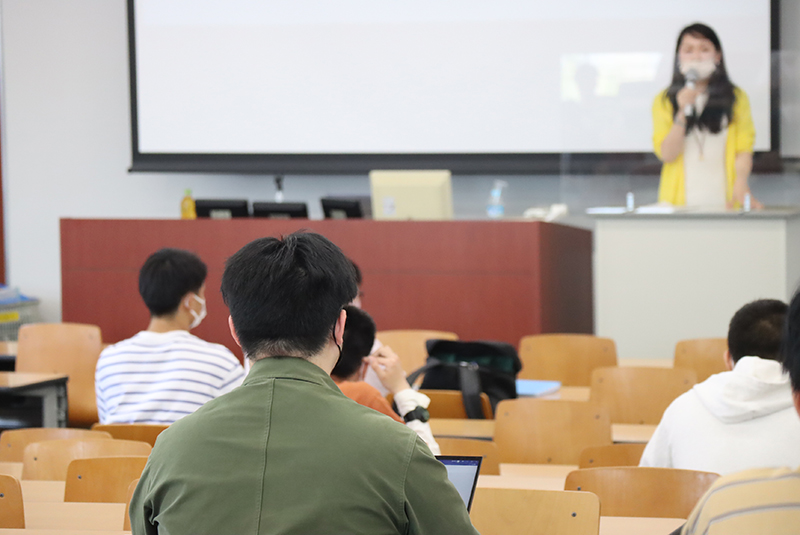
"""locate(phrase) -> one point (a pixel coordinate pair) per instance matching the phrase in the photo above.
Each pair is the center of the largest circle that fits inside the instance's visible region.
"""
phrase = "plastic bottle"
(494, 206)
(187, 206)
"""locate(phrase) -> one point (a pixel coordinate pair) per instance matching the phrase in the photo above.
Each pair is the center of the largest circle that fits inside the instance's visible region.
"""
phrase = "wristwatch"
(420, 413)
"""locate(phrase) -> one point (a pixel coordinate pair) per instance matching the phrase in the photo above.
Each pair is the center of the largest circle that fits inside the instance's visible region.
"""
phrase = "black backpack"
(472, 367)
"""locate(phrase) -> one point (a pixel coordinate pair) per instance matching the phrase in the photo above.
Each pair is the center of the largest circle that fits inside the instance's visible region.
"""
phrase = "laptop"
(463, 474)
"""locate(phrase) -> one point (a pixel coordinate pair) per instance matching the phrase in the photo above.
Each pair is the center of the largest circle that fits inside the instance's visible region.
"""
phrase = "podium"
(496, 280)
(664, 278)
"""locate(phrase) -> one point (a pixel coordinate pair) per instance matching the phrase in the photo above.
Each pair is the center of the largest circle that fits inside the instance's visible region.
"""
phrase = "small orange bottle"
(187, 206)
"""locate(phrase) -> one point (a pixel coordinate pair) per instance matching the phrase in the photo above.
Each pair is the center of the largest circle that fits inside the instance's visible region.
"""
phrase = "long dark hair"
(720, 89)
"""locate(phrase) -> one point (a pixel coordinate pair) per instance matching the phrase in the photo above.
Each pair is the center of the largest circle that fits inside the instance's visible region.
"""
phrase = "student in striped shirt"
(761, 500)
(164, 372)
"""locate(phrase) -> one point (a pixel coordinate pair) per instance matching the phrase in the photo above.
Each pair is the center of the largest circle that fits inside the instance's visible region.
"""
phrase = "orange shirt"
(367, 395)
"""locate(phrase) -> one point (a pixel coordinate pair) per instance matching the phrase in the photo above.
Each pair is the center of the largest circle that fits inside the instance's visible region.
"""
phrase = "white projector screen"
(361, 77)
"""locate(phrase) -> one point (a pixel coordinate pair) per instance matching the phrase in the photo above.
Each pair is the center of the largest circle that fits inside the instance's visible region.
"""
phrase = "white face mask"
(704, 68)
(198, 316)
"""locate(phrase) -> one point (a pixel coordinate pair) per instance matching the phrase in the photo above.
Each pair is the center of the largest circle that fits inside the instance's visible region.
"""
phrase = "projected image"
(603, 97)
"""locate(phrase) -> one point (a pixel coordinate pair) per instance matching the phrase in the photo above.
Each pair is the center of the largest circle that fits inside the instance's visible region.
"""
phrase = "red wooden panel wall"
(496, 280)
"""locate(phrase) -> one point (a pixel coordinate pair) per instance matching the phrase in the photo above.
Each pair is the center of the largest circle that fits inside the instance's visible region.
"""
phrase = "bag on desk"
(472, 368)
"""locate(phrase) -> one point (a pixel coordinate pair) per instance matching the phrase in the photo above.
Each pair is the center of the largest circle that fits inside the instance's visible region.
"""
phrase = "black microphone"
(691, 83)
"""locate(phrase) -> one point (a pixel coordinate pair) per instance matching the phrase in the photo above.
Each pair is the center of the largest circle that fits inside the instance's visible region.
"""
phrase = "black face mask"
(333, 333)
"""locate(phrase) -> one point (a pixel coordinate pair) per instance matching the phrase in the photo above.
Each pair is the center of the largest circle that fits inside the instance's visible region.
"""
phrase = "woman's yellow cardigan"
(741, 138)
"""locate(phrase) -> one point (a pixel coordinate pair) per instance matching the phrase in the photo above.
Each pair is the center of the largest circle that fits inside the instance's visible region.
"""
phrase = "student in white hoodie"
(738, 419)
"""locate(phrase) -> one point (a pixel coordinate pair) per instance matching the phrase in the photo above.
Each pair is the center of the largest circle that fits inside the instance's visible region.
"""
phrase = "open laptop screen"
(463, 473)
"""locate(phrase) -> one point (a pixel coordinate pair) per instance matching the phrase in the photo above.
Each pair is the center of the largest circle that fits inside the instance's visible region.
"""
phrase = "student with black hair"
(702, 127)
(739, 419)
(164, 372)
(357, 357)
(287, 452)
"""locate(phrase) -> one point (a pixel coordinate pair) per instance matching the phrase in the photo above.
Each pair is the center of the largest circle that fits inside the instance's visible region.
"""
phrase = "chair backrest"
(639, 395)
(524, 511)
(540, 431)
(50, 459)
(131, 488)
(450, 404)
(141, 432)
(12, 513)
(66, 348)
(102, 479)
(13, 441)
(569, 358)
(643, 492)
(703, 355)
(410, 345)
(612, 455)
(471, 446)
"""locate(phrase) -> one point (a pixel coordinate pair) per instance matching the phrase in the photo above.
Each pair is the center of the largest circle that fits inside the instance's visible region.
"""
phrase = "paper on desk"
(532, 388)
(598, 210)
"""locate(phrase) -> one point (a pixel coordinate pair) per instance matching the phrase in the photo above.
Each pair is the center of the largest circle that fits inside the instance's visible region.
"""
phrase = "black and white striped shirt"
(161, 377)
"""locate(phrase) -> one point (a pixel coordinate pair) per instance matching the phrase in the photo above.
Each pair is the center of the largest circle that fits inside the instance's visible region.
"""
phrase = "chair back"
(639, 395)
(102, 479)
(13, 441)
(471, 446)
(569, 358)
(409, 344)
(50, 459)
(525, 512)
(12, 512)
(612, 455)
(131, 488)
(703, 355)
(450, 404)
(643, 492)
(538, 431)
(140, 432)
(70, 349)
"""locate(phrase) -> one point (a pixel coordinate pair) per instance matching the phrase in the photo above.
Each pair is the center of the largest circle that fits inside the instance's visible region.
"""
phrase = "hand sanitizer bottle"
(494, 206)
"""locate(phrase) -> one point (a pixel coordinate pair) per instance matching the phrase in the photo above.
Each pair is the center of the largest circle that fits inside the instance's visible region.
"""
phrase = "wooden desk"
(521, 482)
(11, 469)
(484, 430)
(74, 515)
(42, 491)
(624, 525)
(47, 389)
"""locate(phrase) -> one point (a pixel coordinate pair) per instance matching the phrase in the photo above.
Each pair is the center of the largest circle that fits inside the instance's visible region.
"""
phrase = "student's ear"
(233, 331)
(728, 360)
(796, 395)
(338, 330)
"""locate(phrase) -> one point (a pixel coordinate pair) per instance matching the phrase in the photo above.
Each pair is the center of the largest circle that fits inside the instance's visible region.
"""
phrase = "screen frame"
(628, 163)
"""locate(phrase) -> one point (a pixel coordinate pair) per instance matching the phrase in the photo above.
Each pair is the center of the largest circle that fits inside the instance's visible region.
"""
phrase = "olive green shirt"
(288, 453)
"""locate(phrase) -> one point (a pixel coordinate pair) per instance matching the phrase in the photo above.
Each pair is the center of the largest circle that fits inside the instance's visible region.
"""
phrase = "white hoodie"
(732, 421)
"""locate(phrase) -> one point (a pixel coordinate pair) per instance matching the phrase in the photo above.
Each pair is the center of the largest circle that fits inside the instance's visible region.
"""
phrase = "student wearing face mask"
(164, 372)
(702, 128)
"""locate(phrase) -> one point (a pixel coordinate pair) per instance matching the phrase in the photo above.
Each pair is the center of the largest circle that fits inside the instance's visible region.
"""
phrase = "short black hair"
(359, 337)
(756, 330)
(166, 276)
(791, 342)
(285, 294)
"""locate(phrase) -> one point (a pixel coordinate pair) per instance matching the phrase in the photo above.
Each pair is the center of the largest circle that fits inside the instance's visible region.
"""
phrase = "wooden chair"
(102, 479)
(540, 431)
(50, 459)
(131, 488)
(471, 446)
(639, 395)
(613, 455)
(66, 348)
(569, 358)
(12, 512)
(703, 355)
(526, 512)
(450, 404)
(140, 432)
(13, 441)
(410, 345)
(643, 492)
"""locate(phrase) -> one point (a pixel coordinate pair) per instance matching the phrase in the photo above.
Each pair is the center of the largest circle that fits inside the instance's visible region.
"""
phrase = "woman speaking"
(702, 128)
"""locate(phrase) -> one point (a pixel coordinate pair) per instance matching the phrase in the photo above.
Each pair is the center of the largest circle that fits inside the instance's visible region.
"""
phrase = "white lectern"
(661, 278)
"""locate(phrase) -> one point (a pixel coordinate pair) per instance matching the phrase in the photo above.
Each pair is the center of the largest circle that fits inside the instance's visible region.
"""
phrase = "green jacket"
(288, 453)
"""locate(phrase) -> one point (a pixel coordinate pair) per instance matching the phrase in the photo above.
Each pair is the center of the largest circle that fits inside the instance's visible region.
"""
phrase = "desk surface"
(13, 380)
(11, 469)
(484, 429)
(74, 515)
(42, 491)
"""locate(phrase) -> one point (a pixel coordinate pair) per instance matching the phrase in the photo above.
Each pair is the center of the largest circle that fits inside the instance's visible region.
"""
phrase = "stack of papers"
(532, 388)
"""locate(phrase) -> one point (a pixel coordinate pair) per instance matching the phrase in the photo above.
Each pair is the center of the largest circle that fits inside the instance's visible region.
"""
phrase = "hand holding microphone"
(686, 97)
